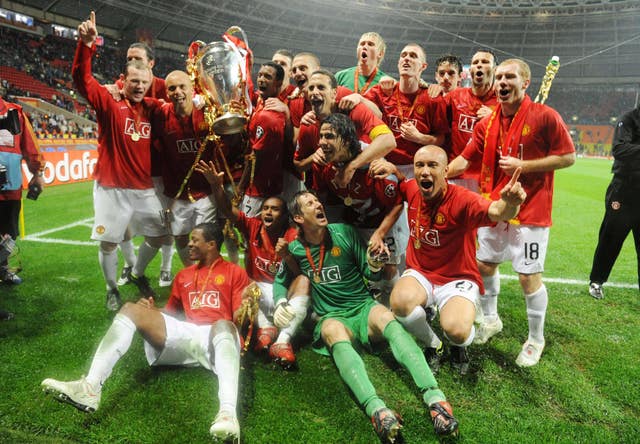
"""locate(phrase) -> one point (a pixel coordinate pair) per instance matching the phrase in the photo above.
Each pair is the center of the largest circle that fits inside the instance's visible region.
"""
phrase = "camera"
(10, 121)
(34, 191)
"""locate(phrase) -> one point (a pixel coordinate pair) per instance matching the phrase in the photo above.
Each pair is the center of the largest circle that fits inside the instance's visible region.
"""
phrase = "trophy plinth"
(229, 123)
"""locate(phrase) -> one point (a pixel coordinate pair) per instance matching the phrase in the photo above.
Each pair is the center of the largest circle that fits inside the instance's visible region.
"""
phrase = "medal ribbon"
(316, 271)
(136, 117)
(401, 108)
(268, 245)
(356, 80)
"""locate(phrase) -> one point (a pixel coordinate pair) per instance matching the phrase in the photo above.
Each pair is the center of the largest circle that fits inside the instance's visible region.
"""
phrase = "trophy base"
(229, 123)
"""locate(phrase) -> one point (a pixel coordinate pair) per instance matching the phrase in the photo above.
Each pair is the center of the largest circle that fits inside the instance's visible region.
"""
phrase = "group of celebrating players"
(362, 199)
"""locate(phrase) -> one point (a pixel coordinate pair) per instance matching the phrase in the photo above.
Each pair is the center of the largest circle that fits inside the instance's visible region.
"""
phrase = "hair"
(308, 54)
(381, 45)
(147, 49)
(450, 59)
(136, 64)
(211, 232)
(278, 68)
(488, 51)
(523, 67)
(346, 130)
(285, 52)
(294, 204)
(424, 53)
(329, 75)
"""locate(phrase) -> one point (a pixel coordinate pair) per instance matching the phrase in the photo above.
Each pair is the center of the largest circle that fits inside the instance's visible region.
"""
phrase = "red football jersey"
(260, 254)
(544, 134)
(446, 234)
(122, 161)
(463, 107)
(208, 294)
(367, 200)
(266, 133)
(427, 114)
(178, 140)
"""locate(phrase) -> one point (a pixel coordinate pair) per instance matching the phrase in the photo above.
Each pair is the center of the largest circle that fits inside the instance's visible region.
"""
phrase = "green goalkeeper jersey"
(342, 285)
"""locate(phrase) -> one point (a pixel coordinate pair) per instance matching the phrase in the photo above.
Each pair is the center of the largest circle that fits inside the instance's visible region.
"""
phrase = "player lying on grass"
(209, 295)
(335, 261)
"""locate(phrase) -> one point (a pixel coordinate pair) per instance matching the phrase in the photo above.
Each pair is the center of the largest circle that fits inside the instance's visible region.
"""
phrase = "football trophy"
(220, 72)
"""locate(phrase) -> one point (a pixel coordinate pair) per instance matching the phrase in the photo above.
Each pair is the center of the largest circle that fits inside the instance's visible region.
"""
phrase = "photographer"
(17, 141)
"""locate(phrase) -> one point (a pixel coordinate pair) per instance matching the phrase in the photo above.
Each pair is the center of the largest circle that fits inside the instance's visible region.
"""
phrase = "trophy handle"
(233, 29)
(194, 48)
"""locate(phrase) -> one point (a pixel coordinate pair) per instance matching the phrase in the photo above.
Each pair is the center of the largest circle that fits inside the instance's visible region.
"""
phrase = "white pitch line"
(50, 240)
(571, 281)
(53, 230)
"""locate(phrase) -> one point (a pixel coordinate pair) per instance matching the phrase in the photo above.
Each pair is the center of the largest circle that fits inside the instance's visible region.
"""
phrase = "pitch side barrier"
(66, 161)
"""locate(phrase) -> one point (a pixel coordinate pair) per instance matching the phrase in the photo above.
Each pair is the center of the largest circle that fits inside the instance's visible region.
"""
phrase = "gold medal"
(135, 137)
(416, 244)
(348, 201)
(316, 278)
(273, 268)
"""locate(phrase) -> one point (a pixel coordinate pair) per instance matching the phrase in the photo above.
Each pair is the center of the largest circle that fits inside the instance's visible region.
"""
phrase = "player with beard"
(267, 236)
(323, 96)
(371, 205)
(208, 296)
(519, 134)
(466, 106)
(267, 137)
(123, 190)
(441, 268)
(448, 70)
(333, 258)
(179, 129)
(370, 53)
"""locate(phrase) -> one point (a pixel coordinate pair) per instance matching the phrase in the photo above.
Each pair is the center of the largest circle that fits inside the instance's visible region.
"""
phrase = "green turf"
(585, 388)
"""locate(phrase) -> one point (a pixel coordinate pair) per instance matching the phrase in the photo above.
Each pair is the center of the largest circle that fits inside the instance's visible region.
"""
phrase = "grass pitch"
(585, 388)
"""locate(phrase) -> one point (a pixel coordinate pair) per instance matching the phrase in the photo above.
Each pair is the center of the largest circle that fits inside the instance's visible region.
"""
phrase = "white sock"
(167, 257)
(489, 300)
(109, 264)
(536, 310)
(128, 252)
(146, 253)
(299, 303)
(114, 344)
(416, 324)
(184, 255)
(227, 363)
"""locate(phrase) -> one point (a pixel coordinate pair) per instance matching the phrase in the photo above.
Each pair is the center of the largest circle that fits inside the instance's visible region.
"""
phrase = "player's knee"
(333, 331)
(487, 268)
(107, 247)
(458, 332)
(530, 283)
(223, 326)
(404, 302)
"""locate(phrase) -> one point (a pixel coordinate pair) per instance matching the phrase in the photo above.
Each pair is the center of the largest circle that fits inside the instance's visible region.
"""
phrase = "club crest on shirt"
(335, 251)
(420, 109)
(100, 229)
(526, 129)
(259, 132)
(615, 205)
(390, 190)
(440, 219)
(219, 279)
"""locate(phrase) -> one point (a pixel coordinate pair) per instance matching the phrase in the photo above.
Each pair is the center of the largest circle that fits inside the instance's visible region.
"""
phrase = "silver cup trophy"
(218, 71)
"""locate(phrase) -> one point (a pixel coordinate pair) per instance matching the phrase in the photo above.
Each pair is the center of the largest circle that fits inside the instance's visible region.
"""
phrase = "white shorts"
(524, 245)
(186, 344)
(185, 214)
(469, 184)
(266, 299)
(116, 208)
(251, 206)
(440, 294)
(389, 239)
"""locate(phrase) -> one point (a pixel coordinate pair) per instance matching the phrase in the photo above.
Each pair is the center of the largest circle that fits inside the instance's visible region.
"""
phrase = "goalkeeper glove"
(283, 314)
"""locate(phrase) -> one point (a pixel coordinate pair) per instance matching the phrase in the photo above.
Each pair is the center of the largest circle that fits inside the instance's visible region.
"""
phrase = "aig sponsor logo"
(143, 128)
(327, 274)
(210, 299)
(466, 123)
(188, 145)
(429, 237)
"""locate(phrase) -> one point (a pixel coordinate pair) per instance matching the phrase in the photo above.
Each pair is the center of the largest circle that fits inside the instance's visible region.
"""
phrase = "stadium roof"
(598, 41)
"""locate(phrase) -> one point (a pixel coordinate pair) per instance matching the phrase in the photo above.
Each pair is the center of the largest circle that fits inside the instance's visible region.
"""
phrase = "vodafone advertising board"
(66, 161)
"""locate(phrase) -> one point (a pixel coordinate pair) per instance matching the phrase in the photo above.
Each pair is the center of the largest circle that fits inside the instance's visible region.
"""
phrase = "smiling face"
(332, 145)
(198, 246)
(273, 214)
(311, 213)
(512, 81)
(302, 68)
(136, 81)
(430, 170)
(268, 86)
(448, 76)
(412, 61)
(321, 95)
(482, 69)
(180, 92)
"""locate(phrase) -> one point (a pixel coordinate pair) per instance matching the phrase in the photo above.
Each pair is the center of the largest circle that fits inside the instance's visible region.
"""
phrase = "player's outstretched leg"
(80, 394)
